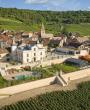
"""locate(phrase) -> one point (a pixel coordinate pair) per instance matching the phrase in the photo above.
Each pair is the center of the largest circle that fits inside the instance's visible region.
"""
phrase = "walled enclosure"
(27, 86)
(45, 82)
(76, 75)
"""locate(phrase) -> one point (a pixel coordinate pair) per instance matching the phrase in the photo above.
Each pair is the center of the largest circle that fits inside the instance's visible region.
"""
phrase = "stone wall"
(64, 80)
(27, 86)
(44, 63)
(56, 61)
(76, 75)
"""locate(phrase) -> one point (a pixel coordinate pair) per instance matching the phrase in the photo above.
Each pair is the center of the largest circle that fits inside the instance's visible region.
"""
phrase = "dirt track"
(32, 93)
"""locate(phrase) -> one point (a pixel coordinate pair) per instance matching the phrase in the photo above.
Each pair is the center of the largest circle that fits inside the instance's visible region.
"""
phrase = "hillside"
(12, 24)
(83, 29)
(30, 20)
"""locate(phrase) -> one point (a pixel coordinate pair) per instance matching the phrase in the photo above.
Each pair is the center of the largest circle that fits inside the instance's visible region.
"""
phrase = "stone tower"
(14, 46)
(42, 31)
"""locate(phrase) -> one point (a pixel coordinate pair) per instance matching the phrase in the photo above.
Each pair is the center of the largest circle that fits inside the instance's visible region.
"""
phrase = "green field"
(83, 29)
(12, 24)
(78, 99)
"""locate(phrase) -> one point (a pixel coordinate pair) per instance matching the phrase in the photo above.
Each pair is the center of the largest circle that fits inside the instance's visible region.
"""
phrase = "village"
(44, 55)
(33, 56)
(27, 50)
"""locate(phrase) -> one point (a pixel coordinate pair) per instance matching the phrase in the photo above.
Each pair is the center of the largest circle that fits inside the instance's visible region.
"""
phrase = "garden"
(39, 73)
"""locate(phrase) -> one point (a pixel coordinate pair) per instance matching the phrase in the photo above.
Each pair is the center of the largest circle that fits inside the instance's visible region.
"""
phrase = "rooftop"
(29, 47)
(2, 51)
(74, 61)
(26, 47)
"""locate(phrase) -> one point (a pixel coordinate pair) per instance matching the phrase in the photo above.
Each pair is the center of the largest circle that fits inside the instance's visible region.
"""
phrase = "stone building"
(44, 34)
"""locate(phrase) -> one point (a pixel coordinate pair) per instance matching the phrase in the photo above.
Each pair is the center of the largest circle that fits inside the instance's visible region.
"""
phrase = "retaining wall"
(27, 86)
(45, 82)
(76, 75)
(44, 63)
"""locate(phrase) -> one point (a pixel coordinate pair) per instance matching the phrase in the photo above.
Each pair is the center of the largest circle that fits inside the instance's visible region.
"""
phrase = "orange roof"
(3, 51)
(29, 42)
(87, 58)
(4, 38)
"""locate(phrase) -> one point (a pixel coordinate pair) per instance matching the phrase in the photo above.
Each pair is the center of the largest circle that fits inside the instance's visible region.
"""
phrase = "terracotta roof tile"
(3, 51)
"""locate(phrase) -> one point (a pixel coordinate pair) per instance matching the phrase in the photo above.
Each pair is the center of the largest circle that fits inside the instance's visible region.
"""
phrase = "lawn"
(54, 69)
(65, 68)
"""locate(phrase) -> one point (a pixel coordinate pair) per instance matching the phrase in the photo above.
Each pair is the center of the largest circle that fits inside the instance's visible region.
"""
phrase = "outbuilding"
(76, 62)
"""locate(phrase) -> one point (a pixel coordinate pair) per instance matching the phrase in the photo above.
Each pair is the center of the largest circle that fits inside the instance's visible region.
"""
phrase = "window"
(27, 60)
(27, 55)
(34, 54)
(34, 49)
(41, 53)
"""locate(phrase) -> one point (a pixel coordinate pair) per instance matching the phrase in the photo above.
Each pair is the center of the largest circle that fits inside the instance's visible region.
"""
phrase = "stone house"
(4, 54)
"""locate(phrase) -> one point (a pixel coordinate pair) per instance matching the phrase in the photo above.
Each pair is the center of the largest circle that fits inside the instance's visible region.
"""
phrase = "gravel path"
(32, 93)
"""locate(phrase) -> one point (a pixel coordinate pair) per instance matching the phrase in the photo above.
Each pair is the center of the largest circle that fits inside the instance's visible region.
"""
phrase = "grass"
(9, 20)
(52, 70)
(12, 24)
(2, 81)
(83, 29)
(65, 68)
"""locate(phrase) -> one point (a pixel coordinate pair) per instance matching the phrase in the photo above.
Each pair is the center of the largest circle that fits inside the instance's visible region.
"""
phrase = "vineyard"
(65, 100)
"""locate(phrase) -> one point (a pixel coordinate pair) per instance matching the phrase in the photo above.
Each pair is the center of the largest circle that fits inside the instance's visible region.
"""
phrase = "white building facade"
(29, 53)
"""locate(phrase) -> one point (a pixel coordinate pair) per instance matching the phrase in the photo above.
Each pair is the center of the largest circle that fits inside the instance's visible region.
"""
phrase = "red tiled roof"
(3, 51)
(87, 58)
(29, 42)
(45, 41)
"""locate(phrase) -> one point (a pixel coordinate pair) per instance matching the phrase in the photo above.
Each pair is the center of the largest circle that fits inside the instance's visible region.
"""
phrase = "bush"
(27, 68)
